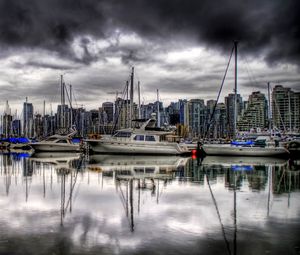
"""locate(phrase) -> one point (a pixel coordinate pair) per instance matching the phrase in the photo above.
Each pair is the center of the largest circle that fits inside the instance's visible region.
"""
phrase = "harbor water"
(109, 204)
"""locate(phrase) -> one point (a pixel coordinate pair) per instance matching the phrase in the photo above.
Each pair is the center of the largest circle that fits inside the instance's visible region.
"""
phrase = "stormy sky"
(180, 47)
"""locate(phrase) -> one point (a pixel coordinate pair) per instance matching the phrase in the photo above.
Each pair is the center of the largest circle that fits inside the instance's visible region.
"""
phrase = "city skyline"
(178, 47)
(52, 107)
(192, 118)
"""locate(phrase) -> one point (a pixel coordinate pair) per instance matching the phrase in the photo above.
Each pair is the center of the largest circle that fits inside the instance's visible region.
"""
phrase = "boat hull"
(50, 147)
(219, 150)
(141, 148)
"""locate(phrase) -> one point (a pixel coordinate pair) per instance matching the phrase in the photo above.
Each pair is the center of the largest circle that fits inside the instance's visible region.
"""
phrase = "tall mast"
(290, 110)
(62, 86)
(235, 89)
(44, 119)
(127, 108)
(269, 109)
(26, 119)
(131, 96)
(158, 113)
(71, 108)
(139, 94)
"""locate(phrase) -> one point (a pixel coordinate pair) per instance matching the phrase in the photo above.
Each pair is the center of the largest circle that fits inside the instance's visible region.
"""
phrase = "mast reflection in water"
(64, 204)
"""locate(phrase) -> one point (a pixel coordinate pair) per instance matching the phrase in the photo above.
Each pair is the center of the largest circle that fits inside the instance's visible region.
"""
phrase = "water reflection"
(172, 205)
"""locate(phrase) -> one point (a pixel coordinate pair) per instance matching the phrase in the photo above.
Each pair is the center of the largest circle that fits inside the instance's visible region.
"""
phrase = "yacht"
(56, 143)
(144, 138)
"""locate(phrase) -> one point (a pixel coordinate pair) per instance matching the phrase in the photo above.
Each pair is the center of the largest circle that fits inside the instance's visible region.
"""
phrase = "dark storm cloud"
(263, 26)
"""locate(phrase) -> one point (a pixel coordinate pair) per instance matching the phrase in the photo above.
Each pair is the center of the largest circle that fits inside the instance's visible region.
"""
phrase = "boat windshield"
(122, 134)
(51, 139)
(150, 138)
(62, 141)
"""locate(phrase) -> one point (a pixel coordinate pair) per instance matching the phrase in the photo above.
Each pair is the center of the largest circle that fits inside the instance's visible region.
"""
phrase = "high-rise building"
(108, 108)
(16, 127)
(230, 108)
(63, 117)
(256, 113)
(7, 121)
(197, 117)
(28, 119)
(285, 108)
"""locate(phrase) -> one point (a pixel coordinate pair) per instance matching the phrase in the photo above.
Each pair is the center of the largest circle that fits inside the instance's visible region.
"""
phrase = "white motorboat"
(143, 139)
(263, 147)
(56, 143)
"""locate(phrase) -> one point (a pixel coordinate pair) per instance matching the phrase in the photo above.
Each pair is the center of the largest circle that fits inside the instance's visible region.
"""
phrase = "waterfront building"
(229, 104)
(16, 127)
(172, 112)
(216, 123)
(108, 109)
(285, 108)
(197, 117)
(28, 119)
(7, 121)
(255, 114)
(49, 125)
(38, 125)
(63, 117)
(183, 111)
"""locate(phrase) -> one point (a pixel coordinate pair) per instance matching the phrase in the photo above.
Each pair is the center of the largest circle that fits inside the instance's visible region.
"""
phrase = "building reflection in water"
(60, 179)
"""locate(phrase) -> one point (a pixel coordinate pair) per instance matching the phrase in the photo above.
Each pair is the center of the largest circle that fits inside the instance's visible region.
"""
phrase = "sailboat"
(266, 148)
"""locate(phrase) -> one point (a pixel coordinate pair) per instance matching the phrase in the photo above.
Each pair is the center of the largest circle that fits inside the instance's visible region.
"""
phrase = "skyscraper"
(28, 119)
(108, 108)
(285, 108)
(197, 117)
(229, 103)
(256, 113)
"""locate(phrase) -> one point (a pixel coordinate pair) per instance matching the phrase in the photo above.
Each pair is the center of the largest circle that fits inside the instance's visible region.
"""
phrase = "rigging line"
(218, 97)
(219, 215)
(249, 70)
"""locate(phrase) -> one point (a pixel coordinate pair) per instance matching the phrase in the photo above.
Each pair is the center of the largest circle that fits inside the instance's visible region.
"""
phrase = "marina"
(149, 127)
(114, 204)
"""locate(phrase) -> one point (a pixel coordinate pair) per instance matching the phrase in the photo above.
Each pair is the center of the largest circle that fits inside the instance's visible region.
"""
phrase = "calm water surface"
(63, 204)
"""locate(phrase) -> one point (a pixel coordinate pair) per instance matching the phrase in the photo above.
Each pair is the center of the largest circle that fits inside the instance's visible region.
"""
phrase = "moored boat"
(56, 143)
(143, 139)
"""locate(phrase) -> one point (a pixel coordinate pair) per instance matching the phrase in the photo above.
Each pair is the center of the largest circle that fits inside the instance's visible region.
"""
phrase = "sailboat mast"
(71, 108)
(131, 96)
(26, 119)
(127, 105)
(235, 89)
(269, 109)
(44, 118)
(139, 99)
(158, 115)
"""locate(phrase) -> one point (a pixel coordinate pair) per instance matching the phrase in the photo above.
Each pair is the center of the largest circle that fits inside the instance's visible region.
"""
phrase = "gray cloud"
(269, 26)
(97, 42)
